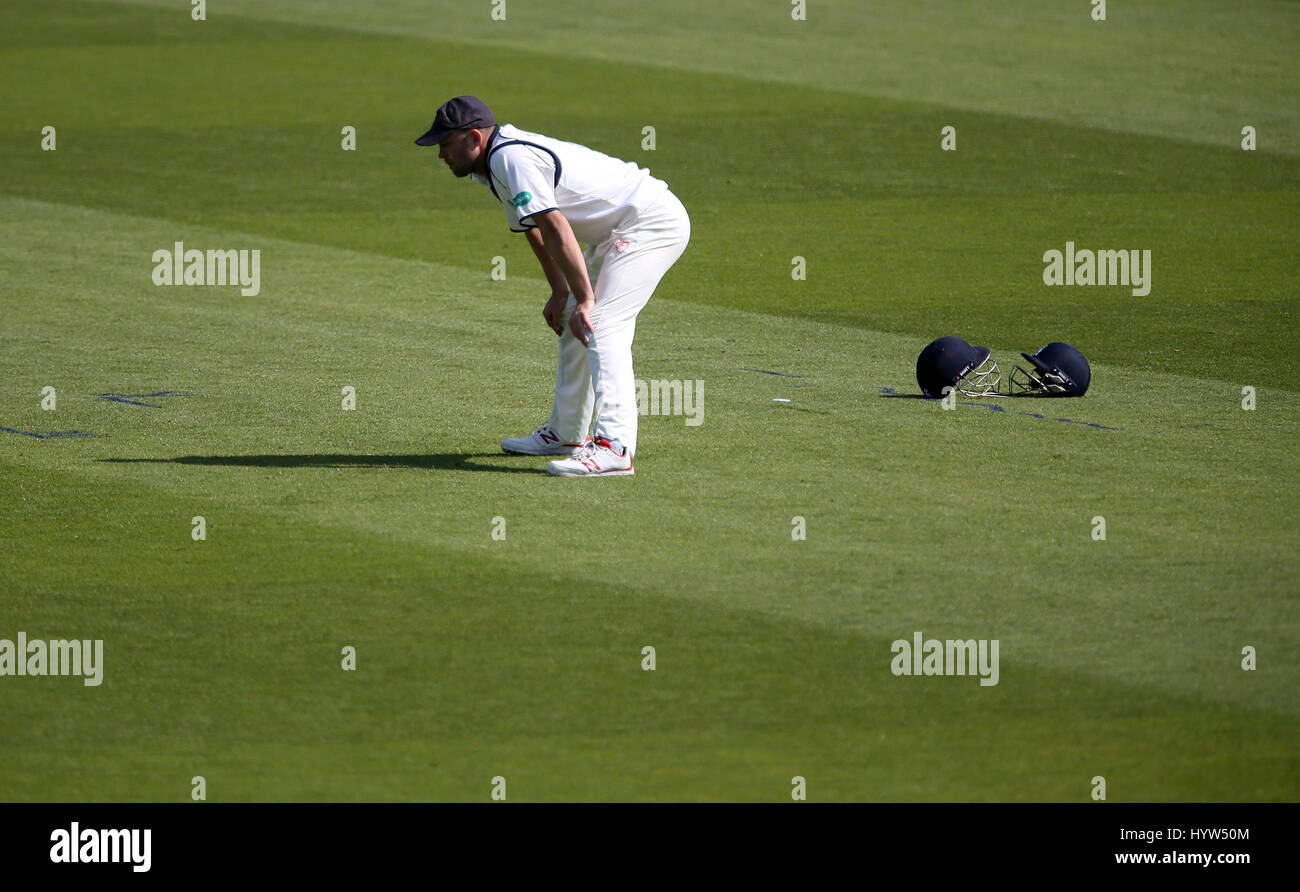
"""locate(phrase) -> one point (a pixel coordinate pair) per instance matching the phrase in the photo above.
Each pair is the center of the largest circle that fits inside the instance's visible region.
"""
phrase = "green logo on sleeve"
(522, 199)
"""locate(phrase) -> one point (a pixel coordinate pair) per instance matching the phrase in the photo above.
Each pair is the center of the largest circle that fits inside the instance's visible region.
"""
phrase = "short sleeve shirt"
(531, 174)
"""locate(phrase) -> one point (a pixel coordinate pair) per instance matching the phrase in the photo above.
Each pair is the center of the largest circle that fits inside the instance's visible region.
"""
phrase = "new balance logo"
(546, 435)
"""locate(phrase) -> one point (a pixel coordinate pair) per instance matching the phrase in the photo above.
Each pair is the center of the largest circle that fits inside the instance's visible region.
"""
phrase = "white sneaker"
(596, 459)
(542, 441)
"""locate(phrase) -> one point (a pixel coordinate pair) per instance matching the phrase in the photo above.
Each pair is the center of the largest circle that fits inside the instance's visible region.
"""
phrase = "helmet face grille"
(1033, 381)
(982, 380)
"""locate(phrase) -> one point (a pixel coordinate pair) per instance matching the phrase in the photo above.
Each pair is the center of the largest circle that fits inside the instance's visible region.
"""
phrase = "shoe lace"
(587, 451)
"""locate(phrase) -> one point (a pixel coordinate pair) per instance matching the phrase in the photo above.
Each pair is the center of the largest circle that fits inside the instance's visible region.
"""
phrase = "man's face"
(461, 151)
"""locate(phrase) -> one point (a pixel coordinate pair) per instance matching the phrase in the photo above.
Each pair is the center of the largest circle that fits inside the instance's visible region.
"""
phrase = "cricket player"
(559, 194)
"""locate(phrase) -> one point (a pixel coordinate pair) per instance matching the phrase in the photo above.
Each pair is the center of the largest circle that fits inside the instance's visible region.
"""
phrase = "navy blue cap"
(460, 113)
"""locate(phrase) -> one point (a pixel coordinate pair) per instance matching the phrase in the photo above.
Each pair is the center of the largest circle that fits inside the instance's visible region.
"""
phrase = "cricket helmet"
(1058, 370)
(951, 362)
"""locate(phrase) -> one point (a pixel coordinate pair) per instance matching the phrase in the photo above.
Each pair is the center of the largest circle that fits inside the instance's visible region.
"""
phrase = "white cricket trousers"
(624, 271)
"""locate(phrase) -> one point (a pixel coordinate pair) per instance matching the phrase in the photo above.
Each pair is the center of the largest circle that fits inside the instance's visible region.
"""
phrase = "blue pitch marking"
(766, 372)
(131, 399)
(994, 407)
(53, 435)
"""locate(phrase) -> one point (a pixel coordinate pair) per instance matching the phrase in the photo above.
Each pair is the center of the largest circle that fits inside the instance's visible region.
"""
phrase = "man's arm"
(557, 251)
(554, 275)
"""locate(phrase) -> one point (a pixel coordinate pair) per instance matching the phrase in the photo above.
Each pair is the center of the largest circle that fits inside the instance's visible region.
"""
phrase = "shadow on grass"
(455, 461)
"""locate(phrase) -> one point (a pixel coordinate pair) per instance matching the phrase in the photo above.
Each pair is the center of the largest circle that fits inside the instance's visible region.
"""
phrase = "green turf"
(522, 657)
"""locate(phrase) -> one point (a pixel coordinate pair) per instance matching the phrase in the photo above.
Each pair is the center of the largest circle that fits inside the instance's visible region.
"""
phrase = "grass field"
(479, 657)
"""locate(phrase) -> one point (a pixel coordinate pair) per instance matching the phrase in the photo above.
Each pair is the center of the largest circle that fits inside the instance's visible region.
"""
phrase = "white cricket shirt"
(530, 173)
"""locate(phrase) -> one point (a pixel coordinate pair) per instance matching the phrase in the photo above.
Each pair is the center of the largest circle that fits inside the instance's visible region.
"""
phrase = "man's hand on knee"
(553, 312)
(580, 321)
